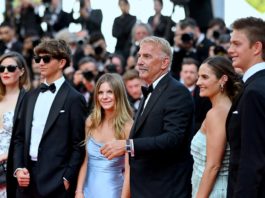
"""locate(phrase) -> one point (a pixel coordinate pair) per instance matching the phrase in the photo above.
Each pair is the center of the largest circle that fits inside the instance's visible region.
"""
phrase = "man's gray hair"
(162, 43)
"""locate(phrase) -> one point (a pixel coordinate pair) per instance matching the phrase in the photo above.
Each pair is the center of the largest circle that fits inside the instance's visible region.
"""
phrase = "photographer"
(84, 79)
(189, 42)
(115, 64)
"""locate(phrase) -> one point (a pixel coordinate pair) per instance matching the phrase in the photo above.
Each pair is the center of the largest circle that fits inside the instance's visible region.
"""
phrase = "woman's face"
(106, 97)
(10, 78)
(208, 82)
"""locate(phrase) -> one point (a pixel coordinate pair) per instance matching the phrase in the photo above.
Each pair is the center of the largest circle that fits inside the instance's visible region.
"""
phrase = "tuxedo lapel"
(254, 77)
(56, 106)
(22, 93)
(137, 116)
(30, 110)
(151, 102)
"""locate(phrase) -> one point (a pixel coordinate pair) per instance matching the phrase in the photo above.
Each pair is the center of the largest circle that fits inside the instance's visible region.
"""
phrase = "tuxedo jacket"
(246, 136)
(162, 163)
(11, 181)
(60, 152)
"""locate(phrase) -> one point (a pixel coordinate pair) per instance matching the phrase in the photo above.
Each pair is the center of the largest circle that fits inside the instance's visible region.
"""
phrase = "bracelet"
(128, 146)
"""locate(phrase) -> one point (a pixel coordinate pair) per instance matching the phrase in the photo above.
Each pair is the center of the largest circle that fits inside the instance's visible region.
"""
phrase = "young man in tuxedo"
(159, 143)
(245, 123)
(48, 144)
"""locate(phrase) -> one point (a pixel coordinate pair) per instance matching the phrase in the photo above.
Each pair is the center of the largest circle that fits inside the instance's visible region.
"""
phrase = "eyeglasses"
(10, 68)
(46, 58)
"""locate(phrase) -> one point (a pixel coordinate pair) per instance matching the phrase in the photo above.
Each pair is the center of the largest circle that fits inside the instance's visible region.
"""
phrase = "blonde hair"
(122, 112)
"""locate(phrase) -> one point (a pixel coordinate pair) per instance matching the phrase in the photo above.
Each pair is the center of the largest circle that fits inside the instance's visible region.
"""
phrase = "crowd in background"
(90, 57)
(196, 56)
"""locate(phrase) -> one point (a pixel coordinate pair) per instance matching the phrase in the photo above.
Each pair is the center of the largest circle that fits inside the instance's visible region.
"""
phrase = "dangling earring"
(222, 88)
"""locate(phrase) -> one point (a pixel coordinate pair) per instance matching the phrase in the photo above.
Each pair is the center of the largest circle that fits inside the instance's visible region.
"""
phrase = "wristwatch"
(128, 147)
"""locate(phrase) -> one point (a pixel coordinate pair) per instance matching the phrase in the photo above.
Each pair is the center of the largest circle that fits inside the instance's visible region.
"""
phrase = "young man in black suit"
(159, 144)
(246, 120)
(48, 148)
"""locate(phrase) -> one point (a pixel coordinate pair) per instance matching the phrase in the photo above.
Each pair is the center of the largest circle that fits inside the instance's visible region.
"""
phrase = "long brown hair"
(22, 65)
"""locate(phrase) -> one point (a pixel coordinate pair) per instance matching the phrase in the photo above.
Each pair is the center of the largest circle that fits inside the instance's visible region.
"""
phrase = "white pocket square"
(62, 111)
(235, 112)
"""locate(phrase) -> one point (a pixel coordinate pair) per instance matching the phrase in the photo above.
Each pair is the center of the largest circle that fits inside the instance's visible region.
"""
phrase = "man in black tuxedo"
(246, 119)
(159, 144)
(48, 149)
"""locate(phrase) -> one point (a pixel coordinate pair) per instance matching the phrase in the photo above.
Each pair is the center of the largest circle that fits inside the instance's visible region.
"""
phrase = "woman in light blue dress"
(219, 82)
(110, 119)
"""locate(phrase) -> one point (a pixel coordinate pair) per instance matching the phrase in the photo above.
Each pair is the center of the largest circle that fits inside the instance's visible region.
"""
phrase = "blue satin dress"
(104, 177)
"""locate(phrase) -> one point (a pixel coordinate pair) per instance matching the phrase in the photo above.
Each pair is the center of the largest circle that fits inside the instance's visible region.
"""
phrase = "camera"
(187, 37)
(88, 75)
(216, 34)
(111, 68)
(98, 50)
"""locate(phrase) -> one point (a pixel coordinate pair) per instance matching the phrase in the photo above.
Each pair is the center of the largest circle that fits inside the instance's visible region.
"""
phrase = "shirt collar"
(58, 83)
(157, 80)
(252, 70)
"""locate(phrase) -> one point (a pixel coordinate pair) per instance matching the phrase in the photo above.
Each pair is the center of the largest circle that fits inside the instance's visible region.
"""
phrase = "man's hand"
(23, 177)
(113, 149)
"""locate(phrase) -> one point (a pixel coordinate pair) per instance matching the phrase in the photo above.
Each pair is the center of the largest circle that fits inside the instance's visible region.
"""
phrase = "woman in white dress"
(13, 80)
(110, 119)
(219, 82)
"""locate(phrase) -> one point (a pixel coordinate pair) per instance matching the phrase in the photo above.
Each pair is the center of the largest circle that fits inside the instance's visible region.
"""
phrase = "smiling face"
(10, 78)
(240, 50)
(152, 62)
(208, 82)
(106, 97)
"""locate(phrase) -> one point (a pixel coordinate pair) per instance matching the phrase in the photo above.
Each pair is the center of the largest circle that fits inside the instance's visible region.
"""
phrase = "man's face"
(240, 50)
(133, 88)
(178, 37)
(189, 74)
(51, 70)
(140, 33)
(6, 34)
(152, 62)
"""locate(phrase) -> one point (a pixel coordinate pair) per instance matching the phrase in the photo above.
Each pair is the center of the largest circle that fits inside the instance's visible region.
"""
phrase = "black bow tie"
(147, 90)
(44, 87)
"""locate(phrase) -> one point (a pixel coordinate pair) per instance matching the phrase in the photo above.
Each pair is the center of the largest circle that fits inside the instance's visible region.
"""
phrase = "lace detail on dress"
(5, 136)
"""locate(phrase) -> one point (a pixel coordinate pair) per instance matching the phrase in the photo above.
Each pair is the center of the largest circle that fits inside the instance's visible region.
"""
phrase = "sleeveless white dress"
(5, 136)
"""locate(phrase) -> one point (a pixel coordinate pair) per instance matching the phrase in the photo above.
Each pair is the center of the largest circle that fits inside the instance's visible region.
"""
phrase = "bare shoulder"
(216, 118)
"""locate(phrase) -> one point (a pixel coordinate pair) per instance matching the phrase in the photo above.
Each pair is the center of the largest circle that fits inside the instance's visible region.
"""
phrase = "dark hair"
(217, 21)
(188, 22)
(125, 1)
(223, 66)
(160, 1)
(21, 63)
(56, 48)
(189, 61)
(87, 59)
(254, 29)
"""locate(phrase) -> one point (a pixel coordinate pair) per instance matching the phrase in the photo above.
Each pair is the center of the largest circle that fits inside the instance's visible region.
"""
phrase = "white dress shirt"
(40, 115)
(252, 70)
